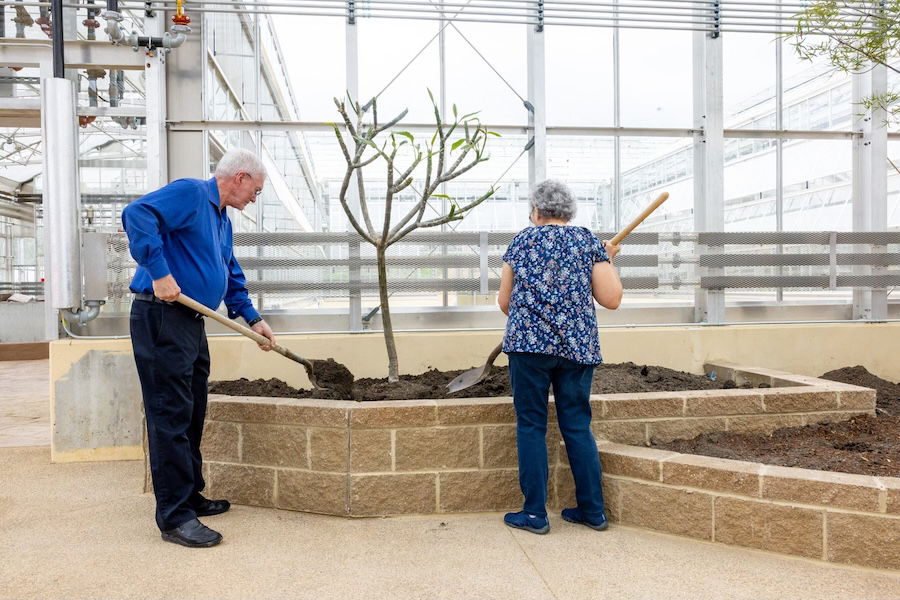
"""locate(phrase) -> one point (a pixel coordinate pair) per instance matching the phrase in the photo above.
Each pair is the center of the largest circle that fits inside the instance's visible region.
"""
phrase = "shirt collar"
(213, 192)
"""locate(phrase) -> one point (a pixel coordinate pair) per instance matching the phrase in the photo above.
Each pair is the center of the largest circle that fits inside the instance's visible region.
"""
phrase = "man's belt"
(150, 298)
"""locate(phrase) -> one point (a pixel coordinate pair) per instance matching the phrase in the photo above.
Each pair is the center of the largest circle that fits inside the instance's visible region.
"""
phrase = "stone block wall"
(836, 517)
(437, 456)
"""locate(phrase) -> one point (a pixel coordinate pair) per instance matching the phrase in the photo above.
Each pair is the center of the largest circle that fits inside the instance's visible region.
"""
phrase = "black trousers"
(172, 357)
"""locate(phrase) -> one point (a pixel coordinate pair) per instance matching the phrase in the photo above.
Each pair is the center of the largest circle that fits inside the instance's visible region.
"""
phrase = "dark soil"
(888, 398)
(334, 376)
(864, 445)
(608, 379)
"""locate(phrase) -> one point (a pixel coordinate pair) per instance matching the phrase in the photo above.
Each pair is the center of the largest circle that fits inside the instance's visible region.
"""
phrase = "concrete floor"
(85, 530)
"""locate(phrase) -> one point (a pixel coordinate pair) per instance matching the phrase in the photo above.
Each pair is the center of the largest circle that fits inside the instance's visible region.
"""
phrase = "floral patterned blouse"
(551, 309)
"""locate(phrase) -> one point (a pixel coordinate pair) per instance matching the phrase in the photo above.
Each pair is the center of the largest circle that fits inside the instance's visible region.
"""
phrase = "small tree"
(854, 35)
(445, 159)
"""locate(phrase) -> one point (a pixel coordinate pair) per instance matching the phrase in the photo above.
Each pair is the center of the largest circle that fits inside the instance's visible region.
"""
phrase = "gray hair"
(553, 199)
(236, 161)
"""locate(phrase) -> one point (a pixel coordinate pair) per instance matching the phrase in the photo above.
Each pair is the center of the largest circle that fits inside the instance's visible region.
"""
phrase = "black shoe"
(208, 508)
(193, 534)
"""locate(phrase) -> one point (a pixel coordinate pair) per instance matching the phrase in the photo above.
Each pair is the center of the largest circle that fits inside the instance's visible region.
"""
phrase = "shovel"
(473, 376)
(259, 339)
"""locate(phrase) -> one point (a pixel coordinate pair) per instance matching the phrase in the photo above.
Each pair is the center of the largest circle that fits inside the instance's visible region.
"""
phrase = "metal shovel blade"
(468, 378)
(473, 376)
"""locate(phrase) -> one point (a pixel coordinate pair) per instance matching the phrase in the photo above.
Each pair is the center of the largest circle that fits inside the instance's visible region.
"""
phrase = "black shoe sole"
(603, 527)
(187, 544)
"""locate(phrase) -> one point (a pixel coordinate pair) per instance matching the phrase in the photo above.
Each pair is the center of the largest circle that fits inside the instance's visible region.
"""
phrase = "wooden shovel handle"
(259, 339)
(637, 221)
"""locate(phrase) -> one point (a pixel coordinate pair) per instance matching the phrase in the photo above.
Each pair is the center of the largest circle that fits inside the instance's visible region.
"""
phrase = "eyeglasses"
(257, 192)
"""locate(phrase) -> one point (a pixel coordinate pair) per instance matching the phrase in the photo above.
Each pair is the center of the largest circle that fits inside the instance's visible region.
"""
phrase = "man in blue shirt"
(181, 238)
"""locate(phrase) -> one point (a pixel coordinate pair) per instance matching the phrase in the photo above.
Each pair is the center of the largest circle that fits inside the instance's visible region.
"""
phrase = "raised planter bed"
(361, 459)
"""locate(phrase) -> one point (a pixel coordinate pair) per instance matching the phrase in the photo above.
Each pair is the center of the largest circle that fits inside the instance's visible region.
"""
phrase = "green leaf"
(442, 196)
(406, 134)
(494, 133)
(454, 111)
(434, 137)
(457, 144)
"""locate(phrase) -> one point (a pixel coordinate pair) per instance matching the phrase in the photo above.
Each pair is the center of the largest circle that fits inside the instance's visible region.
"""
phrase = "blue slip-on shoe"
(574, 515)
(532, 523)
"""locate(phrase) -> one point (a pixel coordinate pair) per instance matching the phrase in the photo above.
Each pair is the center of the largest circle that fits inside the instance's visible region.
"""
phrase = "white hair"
(553, 199)
(240, 160)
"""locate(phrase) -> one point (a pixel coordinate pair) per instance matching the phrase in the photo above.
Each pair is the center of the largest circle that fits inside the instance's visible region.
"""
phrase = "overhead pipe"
(173, 38)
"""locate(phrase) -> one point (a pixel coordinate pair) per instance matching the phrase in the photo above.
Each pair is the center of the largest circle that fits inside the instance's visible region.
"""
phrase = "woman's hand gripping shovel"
(473, 376)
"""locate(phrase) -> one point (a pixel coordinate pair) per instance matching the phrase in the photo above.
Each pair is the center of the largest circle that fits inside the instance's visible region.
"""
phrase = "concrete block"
(324, 493)
(395, 494)
(389, 414)
(370, 450)
(632, 461)
(825, 488)
(649, 405)
(714, 403)
(499, 447)
(621, 432)
(871, 541)
(670, 510)
(473, 491)
(242, 484)
(274, 445)
(476, 411)
(792, 400)
(683, 429)
(221, 441)
(784, 529)
(329, 449)
(423, 449)
(714, 474)
(763, 423)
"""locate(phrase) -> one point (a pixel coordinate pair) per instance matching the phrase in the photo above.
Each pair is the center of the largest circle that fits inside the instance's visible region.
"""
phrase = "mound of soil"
(888, 394)
(608, 379)
(864, 445)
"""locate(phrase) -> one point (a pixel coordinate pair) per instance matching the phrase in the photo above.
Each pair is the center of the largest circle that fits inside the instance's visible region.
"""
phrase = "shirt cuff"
(158, 268)
(249, 314)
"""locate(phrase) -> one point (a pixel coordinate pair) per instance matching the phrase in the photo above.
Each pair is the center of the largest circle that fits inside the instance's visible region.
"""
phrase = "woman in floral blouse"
(552, 273)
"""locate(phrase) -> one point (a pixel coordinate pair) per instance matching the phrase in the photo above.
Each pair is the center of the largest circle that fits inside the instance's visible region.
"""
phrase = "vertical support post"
(442, 49)
(617, 123)
(779, 151)
(483, 261)
(537, 111)
(261, 205)
(870, 184)
(354, 254)
(187, 73)
(709, 164)
(155, 91)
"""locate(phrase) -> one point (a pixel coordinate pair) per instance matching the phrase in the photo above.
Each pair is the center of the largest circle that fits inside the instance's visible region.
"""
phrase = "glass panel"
(749, 80)
(749, 181)
(816, 97)
(651, 166)
(893, 184)
(314, 81)
(579, 77)
(473, 84)
(656, 76)
(818, 186)
(586, 165)
(386, 47)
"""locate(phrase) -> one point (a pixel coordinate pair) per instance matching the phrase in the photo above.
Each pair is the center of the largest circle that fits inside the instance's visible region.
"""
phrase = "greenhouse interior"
(631, 260)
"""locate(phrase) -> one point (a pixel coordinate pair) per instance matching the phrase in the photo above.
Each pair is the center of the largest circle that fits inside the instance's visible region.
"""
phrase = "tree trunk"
(393, 367)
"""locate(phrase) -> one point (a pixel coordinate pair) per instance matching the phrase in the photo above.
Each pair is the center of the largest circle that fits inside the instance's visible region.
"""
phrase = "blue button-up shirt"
(551, 308)
(180, 230)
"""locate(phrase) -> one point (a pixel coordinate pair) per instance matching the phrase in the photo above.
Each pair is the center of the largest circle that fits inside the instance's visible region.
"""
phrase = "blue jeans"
(531, 376)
